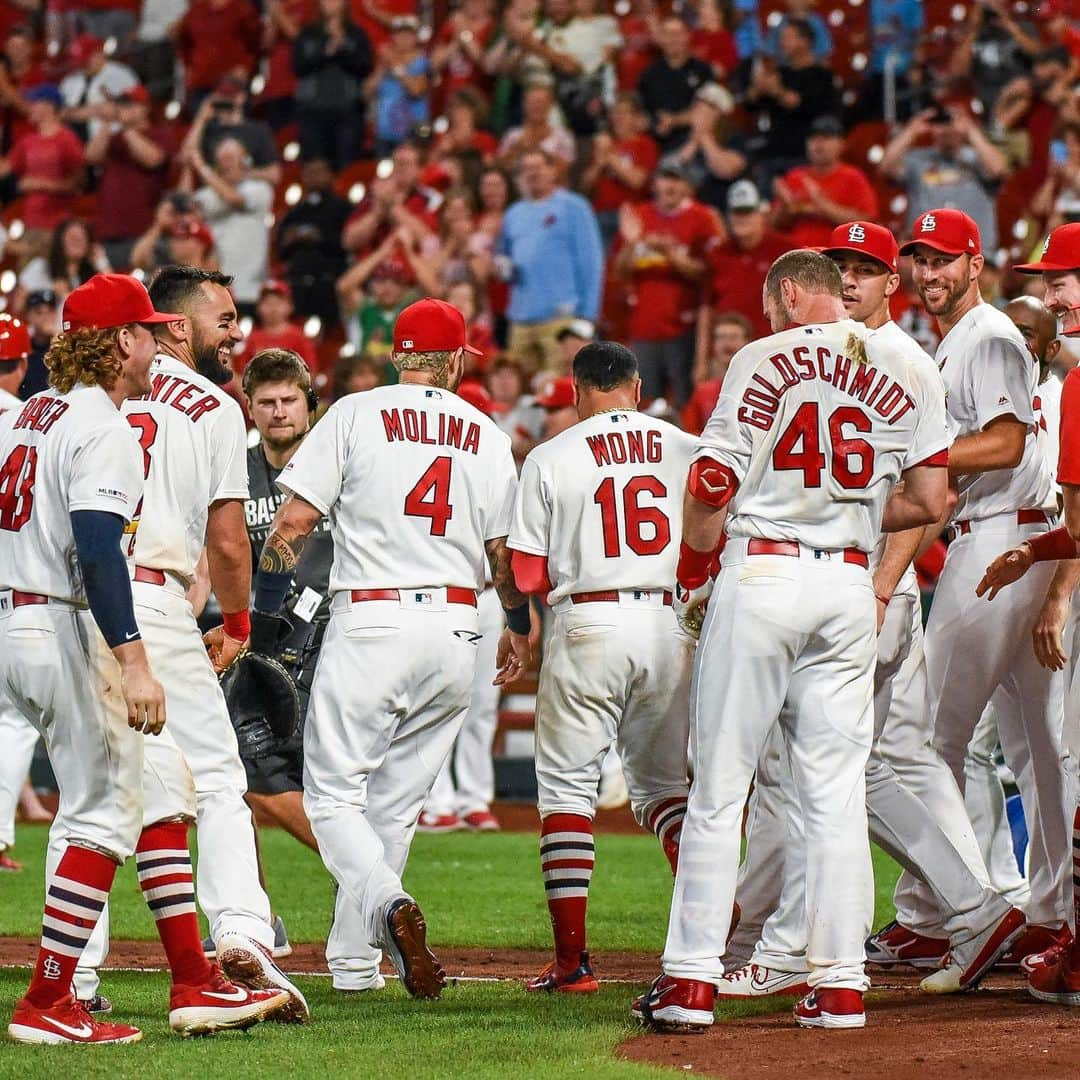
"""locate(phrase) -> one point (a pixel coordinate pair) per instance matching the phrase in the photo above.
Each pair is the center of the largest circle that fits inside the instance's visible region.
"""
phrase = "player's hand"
(1047, 633)
(1004, 570)
(513, 657)
(143, 695)
(222, 649)
(689, 606)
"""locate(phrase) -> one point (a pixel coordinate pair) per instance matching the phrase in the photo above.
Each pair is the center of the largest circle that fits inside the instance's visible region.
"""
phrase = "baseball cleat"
(1034, 941)
(481, 821)
(220, 1005)
(676, 1006)
(1049, 956)
(580, 980)
(439, 823)
(895, 944)
(65, 1022)
(281, 948)
(246, 962)
(830, 1007)
(753, 980)
(970, 961)
(209, 948)
(406, 946)
(1057, 983)
(8, 864)
(99, 1005)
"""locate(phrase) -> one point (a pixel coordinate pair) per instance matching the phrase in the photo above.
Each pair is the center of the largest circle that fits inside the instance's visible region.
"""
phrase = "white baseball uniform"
(602, 502)
(905, 778)
(817, 442)
(974, 651)
(416, 481)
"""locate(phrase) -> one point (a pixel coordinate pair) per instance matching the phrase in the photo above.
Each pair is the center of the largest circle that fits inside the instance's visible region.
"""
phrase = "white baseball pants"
(18, 737)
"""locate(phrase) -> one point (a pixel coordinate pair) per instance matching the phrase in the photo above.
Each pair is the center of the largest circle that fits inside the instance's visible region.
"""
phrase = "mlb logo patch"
(407, 343)
(422, 598)
(856, 234)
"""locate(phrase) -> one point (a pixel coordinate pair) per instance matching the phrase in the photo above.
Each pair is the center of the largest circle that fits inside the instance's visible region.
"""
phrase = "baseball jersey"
(194, 453)
(60, 453)
(1069, 450)
(414, 479)
(989, 372)
(8, 402)
(818, 440)
(1048, 431)
(603, 501)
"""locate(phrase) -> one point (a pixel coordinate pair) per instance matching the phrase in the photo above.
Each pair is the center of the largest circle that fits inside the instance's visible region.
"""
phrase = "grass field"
(476, 890)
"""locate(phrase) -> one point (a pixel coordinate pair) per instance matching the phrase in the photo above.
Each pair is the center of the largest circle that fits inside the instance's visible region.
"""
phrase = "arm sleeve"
(316, 470)
(1069, 455)
(502, 488)
(1002, 374)
(532, 512)
(231, 479)
(105, 576)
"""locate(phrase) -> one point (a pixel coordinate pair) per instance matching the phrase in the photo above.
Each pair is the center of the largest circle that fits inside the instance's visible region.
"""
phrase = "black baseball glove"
(263, 702)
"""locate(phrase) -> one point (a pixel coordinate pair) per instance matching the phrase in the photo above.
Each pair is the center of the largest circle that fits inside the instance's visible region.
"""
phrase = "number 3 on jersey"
(17, 476)
(430, 496)
(147, 427)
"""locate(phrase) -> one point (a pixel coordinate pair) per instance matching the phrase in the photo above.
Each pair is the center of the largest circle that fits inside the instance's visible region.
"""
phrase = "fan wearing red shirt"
(738, 267)
(662, 251)
(284, 20)
(459, 48)
(813, 199)
(274, 311)
(731, 331)
(216, 38)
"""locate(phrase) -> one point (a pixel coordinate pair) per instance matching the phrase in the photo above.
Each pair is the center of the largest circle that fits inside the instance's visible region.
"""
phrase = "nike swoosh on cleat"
(237, 994)
(760, 983)
(80, 1032)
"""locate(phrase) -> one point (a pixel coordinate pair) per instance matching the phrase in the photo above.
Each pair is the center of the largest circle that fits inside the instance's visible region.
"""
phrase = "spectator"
(106, 18)
(638, 25)
(355, 374)
(373, 295)
(960, 169)
(466, 298)
(662, 254)
(813, 199)
(458, 51)
(537, 132)
(558, 400)
(730, 332)
(223, 116)
(274, 328)
(712, 159)
(1057, 200)
(994, 50)
(667, 88)
(309, 243)
(1059, 28)
(495, 195)
(175, 235)
(48, 165)
(788, 97)
(89, 90)
(216, 38)
(804, 10)
(621, 164)
(43, 320)
(572, 338)
(331, 58)
(464, 140)
(713, 41)
(738, 266)
(437, 262)
(506, 58)
(73, 258)
(283, 21)
(154, 55)
(399, 85)
(133, 158)
(236, 206)
(549, 250)
(19, 72)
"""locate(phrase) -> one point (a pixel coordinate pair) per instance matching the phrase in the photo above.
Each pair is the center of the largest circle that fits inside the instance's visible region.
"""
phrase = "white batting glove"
(689, 606)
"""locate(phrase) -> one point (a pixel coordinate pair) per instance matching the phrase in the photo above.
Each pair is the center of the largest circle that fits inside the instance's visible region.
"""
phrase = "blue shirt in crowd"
(894, 25)
(822, 38)
(554, 245)
(396, 113)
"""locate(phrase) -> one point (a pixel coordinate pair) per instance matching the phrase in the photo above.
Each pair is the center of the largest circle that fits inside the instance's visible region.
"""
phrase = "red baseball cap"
(949, 231)
(110, 300)
(558, 395)
(864, 238)
(1061, 252)
(277, 287)
(85, 46)
(431, 325)
(14, 338)
(137, 94)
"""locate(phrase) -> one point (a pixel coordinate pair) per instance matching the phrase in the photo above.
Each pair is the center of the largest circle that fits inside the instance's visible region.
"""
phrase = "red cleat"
(1034, 941)
(1057, 983)
(481, 821)
(220, 1005)
(676, 1006)
(831, 1008)
(895, 944)
(8, 864)
(580, 980)
(65, 1022)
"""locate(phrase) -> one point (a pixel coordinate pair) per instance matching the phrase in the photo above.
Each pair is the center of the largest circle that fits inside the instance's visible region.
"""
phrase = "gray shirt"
(934, 180)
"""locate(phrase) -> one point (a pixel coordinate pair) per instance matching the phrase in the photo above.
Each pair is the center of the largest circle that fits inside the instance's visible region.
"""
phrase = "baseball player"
(814, 426)
(904, 773)
(418, 485)
(73, 661)
(1055, 976)
(194, 448)
(1004, 483)
(595, 518)
(282, 403)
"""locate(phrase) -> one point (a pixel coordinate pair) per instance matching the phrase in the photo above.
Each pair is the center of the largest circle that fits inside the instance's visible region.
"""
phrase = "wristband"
(517, 619)
(270, 590)
(1056, 544)
(883, 599)
(693, 568)
(237, 624)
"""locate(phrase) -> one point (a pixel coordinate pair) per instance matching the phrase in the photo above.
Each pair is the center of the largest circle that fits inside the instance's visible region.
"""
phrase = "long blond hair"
(89, 357)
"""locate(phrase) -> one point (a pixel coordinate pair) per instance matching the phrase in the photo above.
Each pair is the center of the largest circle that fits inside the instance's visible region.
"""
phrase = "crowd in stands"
(557, 169)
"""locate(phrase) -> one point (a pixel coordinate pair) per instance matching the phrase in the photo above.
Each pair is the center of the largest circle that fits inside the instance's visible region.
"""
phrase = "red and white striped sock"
(567, 856)
(74, 898)
(666, 820)
(163, 862)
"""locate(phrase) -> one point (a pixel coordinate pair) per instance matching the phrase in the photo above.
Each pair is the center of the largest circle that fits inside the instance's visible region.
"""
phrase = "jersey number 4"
(638, 520)
(430, 496)
(799, 447)
(17, 476)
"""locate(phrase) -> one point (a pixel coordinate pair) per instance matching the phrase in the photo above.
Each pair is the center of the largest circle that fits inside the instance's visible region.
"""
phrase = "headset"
(301, 373)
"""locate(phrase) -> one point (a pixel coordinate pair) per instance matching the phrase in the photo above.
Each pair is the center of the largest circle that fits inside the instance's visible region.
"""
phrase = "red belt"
(611, 596)
(792, 548)
(24, 599)
(148, 576)
(1023, 517)
(453, 595)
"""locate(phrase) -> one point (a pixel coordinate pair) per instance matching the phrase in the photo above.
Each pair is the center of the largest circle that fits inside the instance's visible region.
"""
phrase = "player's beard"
(956, 291)
(279, 444)
(207, 360)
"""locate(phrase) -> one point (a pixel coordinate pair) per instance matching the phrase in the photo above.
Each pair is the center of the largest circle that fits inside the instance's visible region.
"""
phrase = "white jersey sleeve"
(1001, 380)
(724, 438)
(106, 474)
(316, 471)
(931, 436)
(532, 511)
(504, 481)
(229, 465)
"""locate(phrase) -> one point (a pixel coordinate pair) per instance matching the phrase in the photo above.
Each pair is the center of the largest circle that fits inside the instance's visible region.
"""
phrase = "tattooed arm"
(515, 650)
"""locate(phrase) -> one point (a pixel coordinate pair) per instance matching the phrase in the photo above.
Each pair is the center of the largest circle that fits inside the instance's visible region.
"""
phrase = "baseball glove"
(258, 688)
